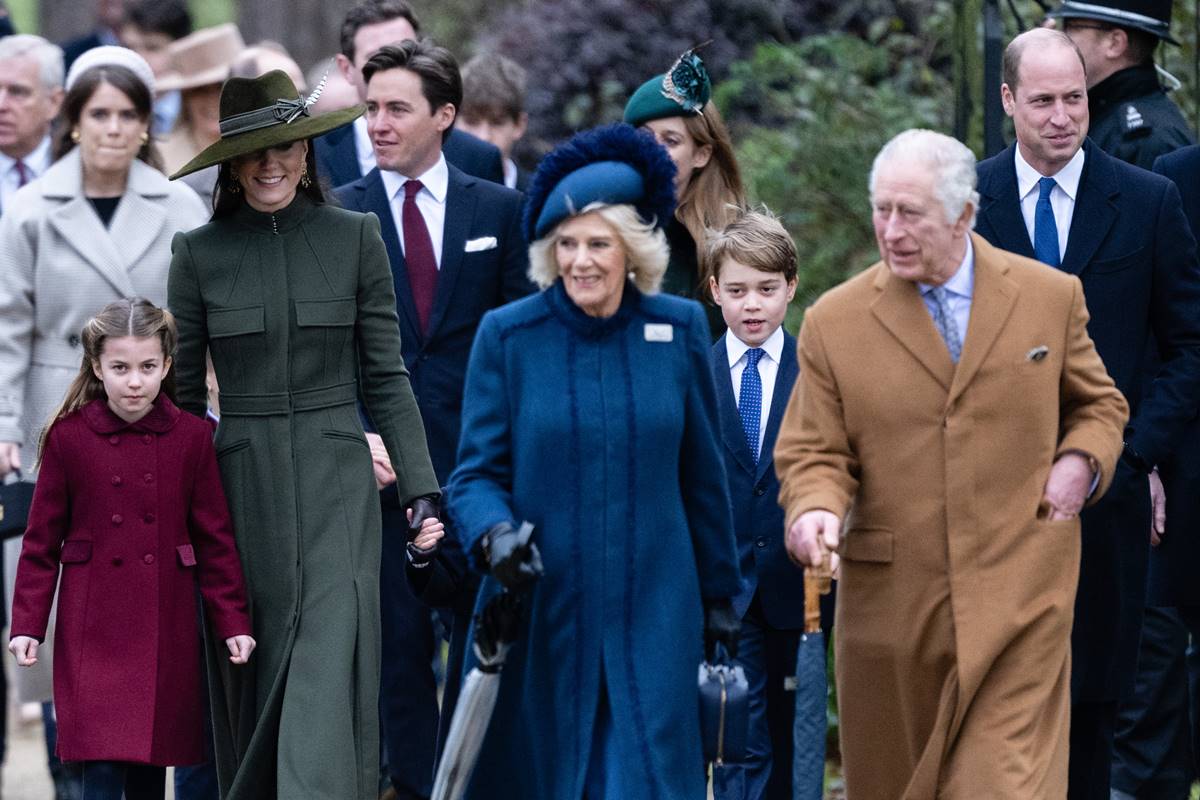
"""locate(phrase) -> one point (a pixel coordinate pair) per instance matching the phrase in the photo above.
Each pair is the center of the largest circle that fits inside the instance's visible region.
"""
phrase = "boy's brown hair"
(493, 89)
(755, 238)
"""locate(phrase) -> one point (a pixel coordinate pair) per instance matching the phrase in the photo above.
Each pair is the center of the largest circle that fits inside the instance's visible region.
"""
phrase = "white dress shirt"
(10, 178)
(1062, 196)
(510, 173)
(431, 201)
(960, 289)
(768, 368)
(363, 148)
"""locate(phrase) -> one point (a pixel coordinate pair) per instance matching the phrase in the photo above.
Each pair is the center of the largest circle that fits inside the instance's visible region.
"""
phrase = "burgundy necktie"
(418, 255)
(22, 173)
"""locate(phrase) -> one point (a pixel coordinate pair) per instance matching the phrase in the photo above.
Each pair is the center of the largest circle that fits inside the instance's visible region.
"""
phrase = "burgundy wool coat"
(136, 516)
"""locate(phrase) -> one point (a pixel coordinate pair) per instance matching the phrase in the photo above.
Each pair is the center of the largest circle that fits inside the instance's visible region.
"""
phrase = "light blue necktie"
(750, 400)
(1045, 229)
(945, 323)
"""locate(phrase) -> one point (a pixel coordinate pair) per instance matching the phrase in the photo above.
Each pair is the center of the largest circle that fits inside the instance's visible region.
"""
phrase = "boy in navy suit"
(752, 264)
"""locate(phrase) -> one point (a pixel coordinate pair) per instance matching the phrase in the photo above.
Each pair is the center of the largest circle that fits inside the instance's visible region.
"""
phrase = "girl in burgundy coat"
(130, 504)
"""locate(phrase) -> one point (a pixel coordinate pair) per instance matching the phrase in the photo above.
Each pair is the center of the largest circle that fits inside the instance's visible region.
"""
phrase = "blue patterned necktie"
(945, 322)
(1045, 229)
(750, 400)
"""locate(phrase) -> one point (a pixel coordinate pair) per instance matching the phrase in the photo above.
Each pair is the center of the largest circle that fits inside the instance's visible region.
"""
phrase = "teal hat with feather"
(681, 91)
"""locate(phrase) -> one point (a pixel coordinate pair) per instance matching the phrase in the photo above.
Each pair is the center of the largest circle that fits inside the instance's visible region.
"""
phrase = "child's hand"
(432, 531)
(240, 648)
(25, 649)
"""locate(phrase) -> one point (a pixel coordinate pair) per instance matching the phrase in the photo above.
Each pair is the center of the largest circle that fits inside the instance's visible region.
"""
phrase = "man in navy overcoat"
(1057, 197)
(473, 252)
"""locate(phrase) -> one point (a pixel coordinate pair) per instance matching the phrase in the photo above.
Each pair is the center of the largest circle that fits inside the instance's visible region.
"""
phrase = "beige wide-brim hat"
(202, 58)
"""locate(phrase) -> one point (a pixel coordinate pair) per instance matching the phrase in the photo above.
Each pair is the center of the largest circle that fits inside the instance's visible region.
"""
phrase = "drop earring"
(234, 185)
(305, 181)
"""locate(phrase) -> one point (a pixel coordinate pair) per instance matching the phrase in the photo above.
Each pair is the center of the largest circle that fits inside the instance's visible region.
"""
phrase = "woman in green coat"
(294, 300)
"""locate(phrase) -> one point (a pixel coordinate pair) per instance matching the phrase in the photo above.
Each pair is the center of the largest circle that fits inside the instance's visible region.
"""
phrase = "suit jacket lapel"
(375, 199)
(991, 306)
(1000, 206)
(785, 377)
(731, 427)
(901, 310)
(460, 212)
(1095, 209)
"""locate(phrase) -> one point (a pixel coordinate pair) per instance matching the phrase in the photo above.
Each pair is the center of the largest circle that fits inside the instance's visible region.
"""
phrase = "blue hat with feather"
(615, 165)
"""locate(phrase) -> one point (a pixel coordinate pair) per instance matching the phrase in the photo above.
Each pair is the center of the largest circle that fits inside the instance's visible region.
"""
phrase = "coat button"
(148, 478)
(149, 518)
(148, 558)
(73, 340)
(117, 561)
(760, 541)
(147, 439)
(117, 519)
(114, 440)
(759, 491)
(116, 480)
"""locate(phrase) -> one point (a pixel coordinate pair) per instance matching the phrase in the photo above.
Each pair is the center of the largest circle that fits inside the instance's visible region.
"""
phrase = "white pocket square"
(482, 243)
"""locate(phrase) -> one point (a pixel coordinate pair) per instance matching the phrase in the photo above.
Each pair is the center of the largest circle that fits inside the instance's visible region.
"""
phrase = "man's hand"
(384, 474)
(1067, 486)
(812, 535)
(1158, 505)
(25, 649)
(10, 457)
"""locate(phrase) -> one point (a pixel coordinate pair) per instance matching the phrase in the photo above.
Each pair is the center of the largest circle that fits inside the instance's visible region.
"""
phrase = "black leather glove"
(511, 555)
(423, 508)
(722, 625)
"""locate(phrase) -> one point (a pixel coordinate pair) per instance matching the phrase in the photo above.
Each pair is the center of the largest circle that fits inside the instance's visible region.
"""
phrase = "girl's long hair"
(134, 316)
(715, 191)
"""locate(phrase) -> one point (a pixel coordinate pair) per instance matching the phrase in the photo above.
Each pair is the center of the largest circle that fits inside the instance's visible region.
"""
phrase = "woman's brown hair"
(121, 79)
(715, 191)
(134, 316)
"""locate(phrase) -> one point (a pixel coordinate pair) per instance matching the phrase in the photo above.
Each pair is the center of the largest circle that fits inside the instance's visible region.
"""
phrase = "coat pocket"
(235, 321)
(345, 436)
(868, 544)
(327, 312)
(225, 449)
(187, 555)
(1109, 265)
(76, 551)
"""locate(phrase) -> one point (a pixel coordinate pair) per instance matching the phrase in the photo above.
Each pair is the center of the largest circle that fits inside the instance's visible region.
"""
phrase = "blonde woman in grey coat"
(96, 227)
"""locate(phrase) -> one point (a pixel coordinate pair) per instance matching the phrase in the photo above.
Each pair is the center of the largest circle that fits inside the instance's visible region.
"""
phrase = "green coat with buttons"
(299, 313)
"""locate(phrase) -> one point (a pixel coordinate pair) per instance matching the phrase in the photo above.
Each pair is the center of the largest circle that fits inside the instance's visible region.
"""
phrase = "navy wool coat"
(602, 433)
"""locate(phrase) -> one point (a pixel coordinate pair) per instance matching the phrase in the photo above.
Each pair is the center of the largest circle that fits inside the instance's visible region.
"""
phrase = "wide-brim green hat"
(262, 112)
(681, 91)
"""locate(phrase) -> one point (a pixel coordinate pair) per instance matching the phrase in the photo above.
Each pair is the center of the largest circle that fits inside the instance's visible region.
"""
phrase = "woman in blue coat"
(589, 411)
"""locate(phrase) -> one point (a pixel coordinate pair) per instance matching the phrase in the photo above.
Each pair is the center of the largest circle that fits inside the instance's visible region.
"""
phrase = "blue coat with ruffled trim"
(602, 433)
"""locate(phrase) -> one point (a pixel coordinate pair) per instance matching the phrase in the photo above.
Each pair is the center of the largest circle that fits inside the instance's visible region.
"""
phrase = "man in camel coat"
(952, 417)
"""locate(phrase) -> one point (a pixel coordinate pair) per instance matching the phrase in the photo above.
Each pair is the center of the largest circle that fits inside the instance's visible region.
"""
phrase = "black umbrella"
(812, 692)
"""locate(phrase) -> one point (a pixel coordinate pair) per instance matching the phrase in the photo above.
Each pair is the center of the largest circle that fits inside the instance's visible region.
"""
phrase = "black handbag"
(15, 498)
(724, 710)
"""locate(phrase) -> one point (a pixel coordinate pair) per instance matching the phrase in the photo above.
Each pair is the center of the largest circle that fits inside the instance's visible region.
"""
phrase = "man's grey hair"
(952, 162)
(49, 57)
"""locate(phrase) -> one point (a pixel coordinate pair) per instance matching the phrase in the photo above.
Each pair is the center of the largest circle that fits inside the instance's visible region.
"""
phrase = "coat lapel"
(460, 212)
(79, 226)
(375, 199)
(991, 305)
(138, 221)
(1000, 206)
(1095, 209)
(785, 377)
(731, 428)
(900, 309)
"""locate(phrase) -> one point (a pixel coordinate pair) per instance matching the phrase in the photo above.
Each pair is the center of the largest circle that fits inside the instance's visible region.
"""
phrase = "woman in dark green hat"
(294, 300)
(676, 107)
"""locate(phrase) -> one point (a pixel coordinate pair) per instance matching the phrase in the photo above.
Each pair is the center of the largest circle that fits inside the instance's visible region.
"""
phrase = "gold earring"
(145, 137)
(305, 181)
(234, 185)
(75, 137)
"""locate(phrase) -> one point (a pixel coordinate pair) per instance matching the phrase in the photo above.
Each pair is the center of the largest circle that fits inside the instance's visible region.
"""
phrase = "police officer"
(1132, 117)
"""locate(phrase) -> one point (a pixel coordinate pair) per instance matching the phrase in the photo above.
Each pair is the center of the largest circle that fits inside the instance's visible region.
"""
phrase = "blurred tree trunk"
(59, 21)
(307, 28)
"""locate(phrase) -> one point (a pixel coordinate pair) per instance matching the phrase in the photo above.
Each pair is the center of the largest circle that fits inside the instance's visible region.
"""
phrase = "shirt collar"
(962, 282)
(36, 162)
(1067, 178)
(436, 181)
(772, 347)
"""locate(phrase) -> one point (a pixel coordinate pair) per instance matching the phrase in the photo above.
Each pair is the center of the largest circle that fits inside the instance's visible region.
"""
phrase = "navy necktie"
(1045, 229)
(750, 400)
(419, 259)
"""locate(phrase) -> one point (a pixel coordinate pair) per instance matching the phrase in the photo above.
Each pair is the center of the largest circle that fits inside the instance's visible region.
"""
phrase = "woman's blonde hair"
(134, 316)
(645, 245)
(715, 192)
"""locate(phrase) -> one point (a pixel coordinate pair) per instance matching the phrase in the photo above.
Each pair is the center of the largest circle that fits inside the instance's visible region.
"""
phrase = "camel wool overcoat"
(956, 596)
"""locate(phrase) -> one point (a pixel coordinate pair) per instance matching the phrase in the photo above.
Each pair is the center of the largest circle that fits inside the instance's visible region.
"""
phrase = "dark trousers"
(1155, 756)
(768, 657)
(1092, 726)
(408, 704)
(108, 780)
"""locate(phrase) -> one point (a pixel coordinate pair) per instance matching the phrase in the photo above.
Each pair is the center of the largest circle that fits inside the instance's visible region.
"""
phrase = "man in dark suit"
(345, 155)
(1057, 197)
(456, 251)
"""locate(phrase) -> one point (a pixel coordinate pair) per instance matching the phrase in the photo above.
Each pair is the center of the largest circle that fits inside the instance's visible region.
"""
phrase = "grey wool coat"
(59, 265)
(299, 312)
